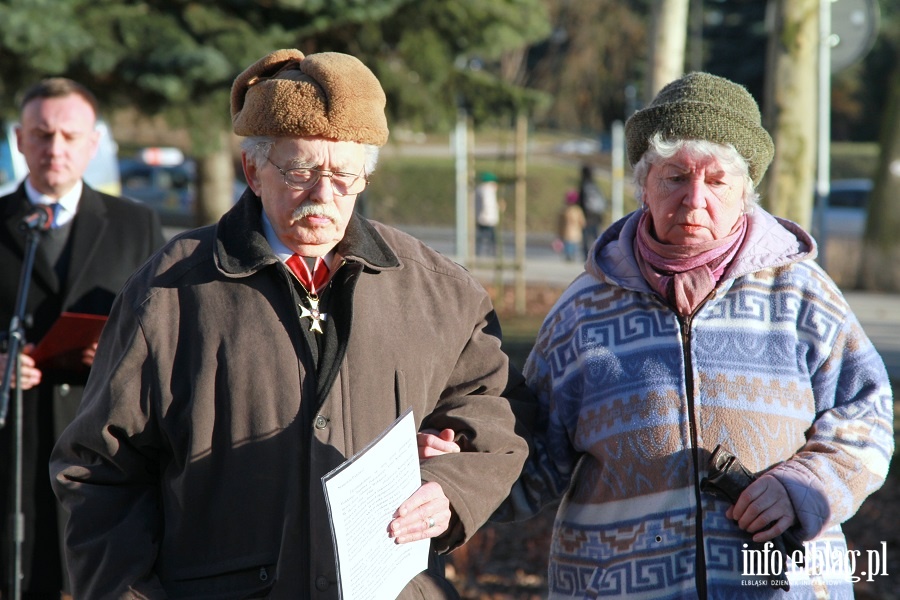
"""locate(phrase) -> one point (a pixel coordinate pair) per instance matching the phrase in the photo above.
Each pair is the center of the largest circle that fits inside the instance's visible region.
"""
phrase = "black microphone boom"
(40, 219)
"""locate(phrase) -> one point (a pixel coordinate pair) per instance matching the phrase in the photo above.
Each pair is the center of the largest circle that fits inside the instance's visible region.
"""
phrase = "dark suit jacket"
(109, 239)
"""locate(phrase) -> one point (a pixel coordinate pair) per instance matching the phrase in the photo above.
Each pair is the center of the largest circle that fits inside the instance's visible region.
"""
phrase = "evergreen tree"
(179, 58)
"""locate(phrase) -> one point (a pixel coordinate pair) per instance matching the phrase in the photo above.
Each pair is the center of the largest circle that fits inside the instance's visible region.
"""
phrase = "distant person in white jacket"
(487, 215)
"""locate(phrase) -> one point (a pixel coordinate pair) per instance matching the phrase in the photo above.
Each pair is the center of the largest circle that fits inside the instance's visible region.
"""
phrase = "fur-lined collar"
(242, 249)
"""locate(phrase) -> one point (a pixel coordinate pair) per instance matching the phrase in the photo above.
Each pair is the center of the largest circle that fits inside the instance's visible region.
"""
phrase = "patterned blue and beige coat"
(633, 399)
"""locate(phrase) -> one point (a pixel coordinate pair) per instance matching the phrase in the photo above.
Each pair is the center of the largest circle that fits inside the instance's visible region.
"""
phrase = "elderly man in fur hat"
(249, 358)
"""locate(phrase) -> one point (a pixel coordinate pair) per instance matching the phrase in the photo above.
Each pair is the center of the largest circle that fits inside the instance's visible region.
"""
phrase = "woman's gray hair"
(257, 149)
(661, 149)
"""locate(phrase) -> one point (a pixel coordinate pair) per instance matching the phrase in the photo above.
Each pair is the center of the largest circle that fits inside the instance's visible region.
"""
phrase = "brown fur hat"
(326, 94)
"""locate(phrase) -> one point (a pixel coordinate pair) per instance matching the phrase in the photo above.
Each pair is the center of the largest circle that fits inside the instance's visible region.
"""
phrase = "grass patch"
(421, 190)
(412, 188)
(853, 160)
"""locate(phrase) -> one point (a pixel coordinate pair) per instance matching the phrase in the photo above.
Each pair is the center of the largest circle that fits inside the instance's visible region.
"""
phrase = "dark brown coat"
(194, 466)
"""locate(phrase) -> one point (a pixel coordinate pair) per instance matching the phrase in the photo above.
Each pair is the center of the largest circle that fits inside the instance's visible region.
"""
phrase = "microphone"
(39, 219)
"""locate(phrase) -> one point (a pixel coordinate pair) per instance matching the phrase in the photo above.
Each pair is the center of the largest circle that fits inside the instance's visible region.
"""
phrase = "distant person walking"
(487, 215)
(594, 205)
(571, 226)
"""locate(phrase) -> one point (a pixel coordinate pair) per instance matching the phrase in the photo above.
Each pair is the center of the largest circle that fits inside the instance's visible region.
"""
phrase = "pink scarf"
(685, 275)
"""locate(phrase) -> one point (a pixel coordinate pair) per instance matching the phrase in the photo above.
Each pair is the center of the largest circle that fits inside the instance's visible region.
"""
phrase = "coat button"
(321, 583)
(321, 422)
(64, 389)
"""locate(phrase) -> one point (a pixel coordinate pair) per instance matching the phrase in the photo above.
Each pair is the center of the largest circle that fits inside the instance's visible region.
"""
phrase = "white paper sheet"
(362, 495)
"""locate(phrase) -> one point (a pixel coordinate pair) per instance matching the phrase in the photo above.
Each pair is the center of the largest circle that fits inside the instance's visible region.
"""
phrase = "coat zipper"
(692, 428)
(702, 592)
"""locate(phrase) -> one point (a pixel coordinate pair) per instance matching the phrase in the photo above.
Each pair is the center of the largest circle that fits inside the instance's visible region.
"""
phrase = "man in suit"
(95, 243)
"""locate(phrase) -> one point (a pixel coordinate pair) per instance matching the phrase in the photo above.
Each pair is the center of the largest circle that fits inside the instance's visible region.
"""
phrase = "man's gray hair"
(661, 149)
(257, 149)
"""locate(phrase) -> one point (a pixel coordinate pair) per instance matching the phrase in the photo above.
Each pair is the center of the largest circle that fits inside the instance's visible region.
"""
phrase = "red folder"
(72, 332)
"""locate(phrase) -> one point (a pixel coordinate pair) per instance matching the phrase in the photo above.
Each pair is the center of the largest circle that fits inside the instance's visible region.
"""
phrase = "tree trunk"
(215, 182)
(667, 40)
(879, 268)
(790, 109)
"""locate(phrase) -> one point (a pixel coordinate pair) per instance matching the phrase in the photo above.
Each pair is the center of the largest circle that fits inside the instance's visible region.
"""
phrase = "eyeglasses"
(343, 184)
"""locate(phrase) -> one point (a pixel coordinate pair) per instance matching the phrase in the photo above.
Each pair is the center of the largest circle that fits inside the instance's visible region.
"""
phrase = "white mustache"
(329, 211)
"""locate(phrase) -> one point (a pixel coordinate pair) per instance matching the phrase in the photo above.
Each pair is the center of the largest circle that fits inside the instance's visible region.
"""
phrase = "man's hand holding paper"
(426, 514)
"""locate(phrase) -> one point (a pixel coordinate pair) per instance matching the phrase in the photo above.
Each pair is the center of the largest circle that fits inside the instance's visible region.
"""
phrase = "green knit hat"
(700, 106)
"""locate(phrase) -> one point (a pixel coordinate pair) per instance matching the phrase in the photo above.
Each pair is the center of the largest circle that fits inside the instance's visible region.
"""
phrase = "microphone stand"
(16, 339)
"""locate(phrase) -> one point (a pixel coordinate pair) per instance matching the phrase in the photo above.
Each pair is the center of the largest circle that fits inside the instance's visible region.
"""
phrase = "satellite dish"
(854, 27)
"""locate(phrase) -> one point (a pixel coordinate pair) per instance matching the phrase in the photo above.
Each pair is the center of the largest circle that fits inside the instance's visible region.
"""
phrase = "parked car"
(581, 146)
(165, 180)
(167, 188)
(848, 203)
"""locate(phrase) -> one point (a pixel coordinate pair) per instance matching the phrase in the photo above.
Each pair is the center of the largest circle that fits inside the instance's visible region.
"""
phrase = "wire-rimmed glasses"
(304, 178)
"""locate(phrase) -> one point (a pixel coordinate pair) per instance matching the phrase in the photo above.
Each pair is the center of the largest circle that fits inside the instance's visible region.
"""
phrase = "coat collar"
(770, 242)
(88, 227)
(241, 247)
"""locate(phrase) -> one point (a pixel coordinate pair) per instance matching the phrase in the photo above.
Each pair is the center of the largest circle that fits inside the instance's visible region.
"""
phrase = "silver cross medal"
(314, 314)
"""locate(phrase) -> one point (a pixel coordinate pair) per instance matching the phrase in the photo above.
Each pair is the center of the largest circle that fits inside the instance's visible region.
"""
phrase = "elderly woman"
(701, 321)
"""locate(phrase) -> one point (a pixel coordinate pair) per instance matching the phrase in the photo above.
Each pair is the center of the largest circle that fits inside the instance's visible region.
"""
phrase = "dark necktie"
(56, 207)
(54, 243)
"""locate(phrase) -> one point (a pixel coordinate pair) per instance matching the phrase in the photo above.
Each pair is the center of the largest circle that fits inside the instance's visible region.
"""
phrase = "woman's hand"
(763, 509)
(434, 443)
